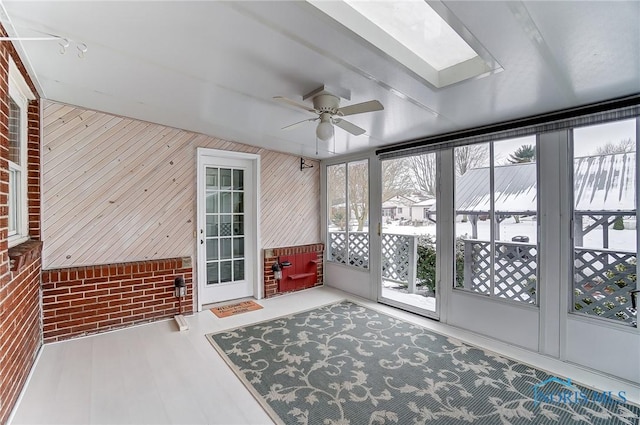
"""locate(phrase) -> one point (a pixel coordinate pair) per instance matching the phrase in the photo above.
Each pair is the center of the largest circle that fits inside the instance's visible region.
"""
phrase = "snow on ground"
(425, 303)
(624, 240)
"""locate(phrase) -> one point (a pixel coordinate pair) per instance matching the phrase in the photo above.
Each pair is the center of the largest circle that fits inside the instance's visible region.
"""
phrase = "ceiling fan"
(327, 106)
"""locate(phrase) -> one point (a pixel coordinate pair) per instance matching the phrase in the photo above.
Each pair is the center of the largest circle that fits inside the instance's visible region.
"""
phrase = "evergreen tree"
(525, 153)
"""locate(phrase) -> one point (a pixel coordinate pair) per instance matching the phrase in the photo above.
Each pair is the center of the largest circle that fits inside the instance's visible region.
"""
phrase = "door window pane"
(225, 248)
(225, 202)
(238, 270)
(212, 178)
(225, 178)
(238, 247)
(212, 225)
(238, 179)
(225, 271)
(604, 217)
(238, 224)
(212, 273)
(212, 249)
(238, 202)
(225, 225)
(212, 202)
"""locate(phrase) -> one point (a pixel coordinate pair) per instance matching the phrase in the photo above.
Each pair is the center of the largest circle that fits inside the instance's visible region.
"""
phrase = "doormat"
(232, 309)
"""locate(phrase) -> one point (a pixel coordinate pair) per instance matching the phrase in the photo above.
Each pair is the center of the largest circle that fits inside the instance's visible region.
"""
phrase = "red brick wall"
(33, 167)
(20, 316)
(271, 256)
(86, 300)
(20, 329)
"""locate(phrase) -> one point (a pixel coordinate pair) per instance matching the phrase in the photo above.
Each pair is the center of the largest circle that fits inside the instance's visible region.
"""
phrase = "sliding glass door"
(409, 256)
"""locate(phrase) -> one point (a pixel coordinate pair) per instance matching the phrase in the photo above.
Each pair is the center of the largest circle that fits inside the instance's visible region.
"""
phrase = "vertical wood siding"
(116, 190)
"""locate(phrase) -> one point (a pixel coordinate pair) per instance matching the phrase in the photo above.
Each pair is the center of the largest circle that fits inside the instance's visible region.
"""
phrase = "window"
(399, 210)
(348, 213)
(17, 158)
(496, 213)
(604, 221)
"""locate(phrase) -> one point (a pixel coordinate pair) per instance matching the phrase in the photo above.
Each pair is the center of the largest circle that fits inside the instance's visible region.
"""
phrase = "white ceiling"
(214, 67)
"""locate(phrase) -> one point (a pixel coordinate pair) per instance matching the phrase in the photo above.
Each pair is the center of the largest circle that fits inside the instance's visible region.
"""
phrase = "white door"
(227, 226)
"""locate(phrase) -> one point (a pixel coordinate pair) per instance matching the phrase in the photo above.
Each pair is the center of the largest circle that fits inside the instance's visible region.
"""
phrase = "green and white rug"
(347, 364)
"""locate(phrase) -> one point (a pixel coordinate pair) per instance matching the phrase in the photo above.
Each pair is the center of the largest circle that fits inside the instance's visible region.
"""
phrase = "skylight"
(417, 26)
(415, 35)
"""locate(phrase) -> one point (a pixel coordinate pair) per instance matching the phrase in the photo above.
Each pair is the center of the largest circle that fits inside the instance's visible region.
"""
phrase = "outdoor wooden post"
(413, 265)
(578, 234)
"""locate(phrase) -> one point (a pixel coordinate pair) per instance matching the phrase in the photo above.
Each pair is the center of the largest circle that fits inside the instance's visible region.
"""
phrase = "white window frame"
(345, 161)
(20, 93)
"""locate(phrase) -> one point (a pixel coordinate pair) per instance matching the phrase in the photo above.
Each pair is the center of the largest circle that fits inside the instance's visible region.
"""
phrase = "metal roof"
(603, 183)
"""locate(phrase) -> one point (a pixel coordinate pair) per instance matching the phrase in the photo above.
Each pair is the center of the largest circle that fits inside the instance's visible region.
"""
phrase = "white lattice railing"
(602, 278)
(515, 268)
(602, 281)
(399, 259)
(355, 253)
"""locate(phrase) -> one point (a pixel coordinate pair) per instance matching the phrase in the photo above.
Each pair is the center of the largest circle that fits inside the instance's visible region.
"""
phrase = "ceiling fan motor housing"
(326, 103)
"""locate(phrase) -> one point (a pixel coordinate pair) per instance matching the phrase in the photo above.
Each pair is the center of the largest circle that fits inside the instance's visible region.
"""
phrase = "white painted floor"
(154, 374)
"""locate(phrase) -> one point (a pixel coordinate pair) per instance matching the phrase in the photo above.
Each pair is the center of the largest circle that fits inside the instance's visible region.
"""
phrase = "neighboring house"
(422, 211)
(398, 208)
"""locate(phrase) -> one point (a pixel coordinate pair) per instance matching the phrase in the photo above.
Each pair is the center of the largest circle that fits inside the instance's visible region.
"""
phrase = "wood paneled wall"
(116, 190)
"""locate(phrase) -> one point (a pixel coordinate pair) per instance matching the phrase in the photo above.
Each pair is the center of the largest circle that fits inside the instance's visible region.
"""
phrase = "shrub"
(426, 267)
(618, 224)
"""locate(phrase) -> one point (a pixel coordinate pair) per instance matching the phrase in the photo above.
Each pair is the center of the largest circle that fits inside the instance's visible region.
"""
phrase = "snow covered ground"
(416, 300)
(624, 240)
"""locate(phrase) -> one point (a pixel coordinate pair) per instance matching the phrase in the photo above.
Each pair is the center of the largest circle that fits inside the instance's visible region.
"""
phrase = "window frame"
(20, 93)
(492, 232)
(346, 161)
(572, 312)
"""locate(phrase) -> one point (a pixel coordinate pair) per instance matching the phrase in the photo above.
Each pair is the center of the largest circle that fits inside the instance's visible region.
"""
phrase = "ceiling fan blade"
(347, 126)
(293, 103)
(359, 108)
(296, 124)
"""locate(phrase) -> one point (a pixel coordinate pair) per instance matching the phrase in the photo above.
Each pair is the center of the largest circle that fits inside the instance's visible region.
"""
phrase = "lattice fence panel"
(515, 271)
(396, 257)
(338, 247)
(355, 254)
(602, 281)
(359, 249)
(477, 271)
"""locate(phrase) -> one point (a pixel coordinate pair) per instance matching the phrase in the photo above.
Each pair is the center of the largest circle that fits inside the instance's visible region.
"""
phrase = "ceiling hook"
(82, 49)
(64, 43)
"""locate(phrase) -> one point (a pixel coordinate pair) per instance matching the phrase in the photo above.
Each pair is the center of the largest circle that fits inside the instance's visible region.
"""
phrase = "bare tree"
(471, 156)
(396, 179)
(623, 146)
(358, 188)
(423, 169)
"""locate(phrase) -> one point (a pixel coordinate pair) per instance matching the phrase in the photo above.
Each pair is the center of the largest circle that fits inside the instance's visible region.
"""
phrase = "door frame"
(257, 274)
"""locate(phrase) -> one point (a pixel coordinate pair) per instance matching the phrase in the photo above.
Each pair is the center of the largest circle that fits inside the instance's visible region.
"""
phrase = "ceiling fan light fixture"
(324, 130)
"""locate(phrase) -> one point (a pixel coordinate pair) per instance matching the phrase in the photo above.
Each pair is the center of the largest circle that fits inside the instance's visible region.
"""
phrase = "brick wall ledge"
(24, 254)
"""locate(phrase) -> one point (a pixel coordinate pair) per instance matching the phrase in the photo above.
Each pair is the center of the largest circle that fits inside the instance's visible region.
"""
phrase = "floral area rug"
(347, 364)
